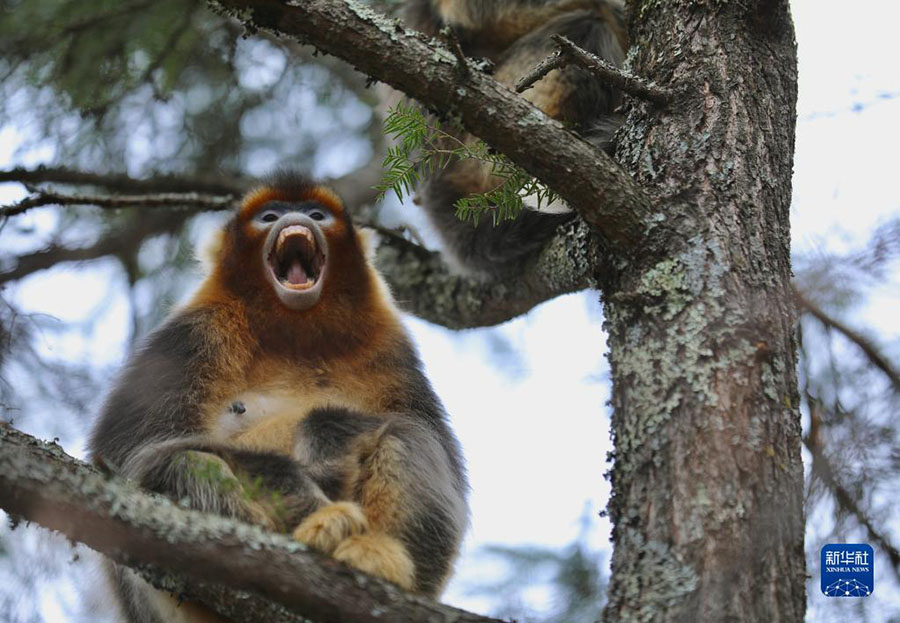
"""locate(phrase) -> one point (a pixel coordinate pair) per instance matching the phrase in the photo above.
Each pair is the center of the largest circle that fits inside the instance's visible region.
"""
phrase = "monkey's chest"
(266, 413)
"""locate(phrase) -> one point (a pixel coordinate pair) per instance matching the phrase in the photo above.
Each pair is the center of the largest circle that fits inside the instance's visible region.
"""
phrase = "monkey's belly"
(266, 419)
(259, 420)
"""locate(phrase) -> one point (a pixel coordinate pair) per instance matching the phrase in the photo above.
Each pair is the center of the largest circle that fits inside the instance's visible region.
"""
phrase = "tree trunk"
(707, 480)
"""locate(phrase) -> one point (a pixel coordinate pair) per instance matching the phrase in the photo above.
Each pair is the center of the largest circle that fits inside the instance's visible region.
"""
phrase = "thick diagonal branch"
(42, 484)
(603, 194)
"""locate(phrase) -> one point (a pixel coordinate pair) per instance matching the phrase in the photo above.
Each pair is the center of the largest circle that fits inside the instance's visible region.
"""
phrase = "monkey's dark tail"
(501, 250)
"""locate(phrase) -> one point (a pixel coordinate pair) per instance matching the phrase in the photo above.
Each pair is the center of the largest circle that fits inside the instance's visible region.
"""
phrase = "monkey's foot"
(379, 555)
(330, 525)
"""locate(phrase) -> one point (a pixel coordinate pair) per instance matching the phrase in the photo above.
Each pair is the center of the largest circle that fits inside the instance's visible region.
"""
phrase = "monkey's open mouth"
(296, 259)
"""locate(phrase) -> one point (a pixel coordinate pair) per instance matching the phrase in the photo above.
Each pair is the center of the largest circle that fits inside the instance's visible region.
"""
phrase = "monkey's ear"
(210, 249)
(368, 241)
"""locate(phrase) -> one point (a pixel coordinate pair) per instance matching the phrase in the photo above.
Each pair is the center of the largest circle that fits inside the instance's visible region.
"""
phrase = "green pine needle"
(421, 150)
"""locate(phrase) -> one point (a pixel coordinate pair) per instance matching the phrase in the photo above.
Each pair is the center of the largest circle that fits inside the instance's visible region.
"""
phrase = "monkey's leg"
(414, 507)
(326, 444)
(330, 525)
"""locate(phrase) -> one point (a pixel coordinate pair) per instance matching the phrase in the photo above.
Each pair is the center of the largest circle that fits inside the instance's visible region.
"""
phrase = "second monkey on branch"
(516, 35)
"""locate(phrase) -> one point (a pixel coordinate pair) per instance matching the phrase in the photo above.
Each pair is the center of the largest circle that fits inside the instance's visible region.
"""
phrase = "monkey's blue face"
(295, 251)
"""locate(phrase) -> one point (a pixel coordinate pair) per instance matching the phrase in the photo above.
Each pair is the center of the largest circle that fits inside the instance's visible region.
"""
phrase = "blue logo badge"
(848, 570)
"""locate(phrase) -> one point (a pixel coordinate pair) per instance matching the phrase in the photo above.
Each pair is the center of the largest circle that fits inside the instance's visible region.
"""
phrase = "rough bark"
(243, 571)
(425, 287)
(707, 480)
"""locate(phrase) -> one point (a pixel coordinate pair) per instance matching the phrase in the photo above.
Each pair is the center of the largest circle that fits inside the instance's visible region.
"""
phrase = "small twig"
(354, 187)
(554, 61)
(156, 183)
(453, 42)
(185, 200)
(628, 83)
(869, 349)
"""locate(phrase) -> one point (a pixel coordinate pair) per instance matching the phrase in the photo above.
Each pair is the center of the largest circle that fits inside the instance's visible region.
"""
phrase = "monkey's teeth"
(296, 259)
(294, 230)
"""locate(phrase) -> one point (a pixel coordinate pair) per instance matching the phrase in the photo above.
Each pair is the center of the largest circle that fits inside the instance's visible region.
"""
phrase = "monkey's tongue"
(296, 274)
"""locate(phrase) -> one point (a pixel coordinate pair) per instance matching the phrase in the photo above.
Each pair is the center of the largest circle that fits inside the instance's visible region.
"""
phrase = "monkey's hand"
(211, 485)
(407, 513)
(266, 489)
(330, 525)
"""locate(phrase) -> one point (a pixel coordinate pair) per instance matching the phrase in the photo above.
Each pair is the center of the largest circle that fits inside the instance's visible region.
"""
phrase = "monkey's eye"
(269, 217)
(316, 215)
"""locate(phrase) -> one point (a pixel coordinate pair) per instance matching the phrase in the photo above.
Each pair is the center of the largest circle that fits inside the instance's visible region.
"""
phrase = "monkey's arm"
(405, 475)
(259, 487)
(153, 424)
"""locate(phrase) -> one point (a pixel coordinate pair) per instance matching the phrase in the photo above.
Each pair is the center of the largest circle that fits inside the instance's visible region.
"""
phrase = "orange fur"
(380, 555)
(257, 198)
(282, 363)
(328, 526)
(328, 197)
(382, 496)
(330, 329)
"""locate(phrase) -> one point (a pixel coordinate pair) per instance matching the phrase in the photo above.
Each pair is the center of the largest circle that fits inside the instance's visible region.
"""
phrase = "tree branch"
(115, 242)
(194, 201)
(554, 61)
(845, 500)
(356, 188)
(633, 85)
(450, 37)
(424, 286)
(243, 567)
(158, 183)
(865, 345)
(595, 186)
